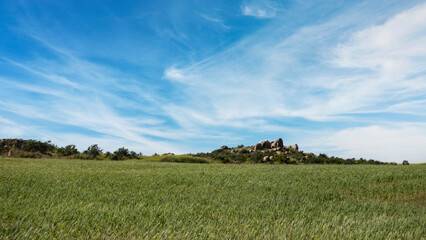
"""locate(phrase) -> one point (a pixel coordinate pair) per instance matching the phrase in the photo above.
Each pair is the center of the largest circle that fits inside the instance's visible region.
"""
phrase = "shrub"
(68, 151)
(93, 151)
(121, 154)
(37, 146)
(243, 151)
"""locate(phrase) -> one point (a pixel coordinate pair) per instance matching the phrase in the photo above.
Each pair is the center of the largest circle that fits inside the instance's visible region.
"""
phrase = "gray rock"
(295, 146)
(257, 147)
(266, 144)
(278, 143)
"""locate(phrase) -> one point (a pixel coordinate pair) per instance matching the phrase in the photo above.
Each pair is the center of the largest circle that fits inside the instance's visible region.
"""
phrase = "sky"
(345, 78)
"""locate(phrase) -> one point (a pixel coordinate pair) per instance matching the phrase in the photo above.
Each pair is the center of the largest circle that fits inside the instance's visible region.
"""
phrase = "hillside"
(277, 152)
(268, 152)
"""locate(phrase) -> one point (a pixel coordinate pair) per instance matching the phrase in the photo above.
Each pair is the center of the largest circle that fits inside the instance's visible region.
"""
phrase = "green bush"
(92, 152)
(121, 154)
(68, 151)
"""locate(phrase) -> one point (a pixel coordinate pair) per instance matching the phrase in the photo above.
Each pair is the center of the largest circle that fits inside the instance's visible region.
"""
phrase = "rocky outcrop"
(275, 146)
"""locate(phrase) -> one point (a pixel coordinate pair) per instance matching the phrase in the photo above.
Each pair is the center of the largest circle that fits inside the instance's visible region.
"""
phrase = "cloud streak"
(259, 9)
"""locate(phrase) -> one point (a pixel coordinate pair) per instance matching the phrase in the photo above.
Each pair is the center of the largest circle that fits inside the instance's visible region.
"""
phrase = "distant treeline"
(37, 149)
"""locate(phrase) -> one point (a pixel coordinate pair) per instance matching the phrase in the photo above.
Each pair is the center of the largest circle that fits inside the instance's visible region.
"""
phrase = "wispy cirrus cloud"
(260, 9)
(215, 20)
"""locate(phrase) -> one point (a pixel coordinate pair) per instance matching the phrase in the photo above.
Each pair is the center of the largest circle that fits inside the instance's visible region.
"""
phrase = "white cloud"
(174, 74)
(390, 47)
(393, 143)
(259, 9)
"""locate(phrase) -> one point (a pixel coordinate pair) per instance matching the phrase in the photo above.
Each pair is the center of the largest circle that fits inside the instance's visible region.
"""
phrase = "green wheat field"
(80, 199)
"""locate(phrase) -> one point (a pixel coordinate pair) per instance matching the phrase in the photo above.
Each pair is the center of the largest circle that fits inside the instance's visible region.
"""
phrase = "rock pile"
(276, 146)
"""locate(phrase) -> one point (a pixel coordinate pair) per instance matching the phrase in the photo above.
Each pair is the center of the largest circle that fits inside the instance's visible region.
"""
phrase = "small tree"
(121, 153)
(405, 162)
(93, 151)
(69, 150)
(133, 155)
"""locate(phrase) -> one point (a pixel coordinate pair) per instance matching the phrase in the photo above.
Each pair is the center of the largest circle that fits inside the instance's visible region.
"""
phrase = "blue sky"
(346, 78)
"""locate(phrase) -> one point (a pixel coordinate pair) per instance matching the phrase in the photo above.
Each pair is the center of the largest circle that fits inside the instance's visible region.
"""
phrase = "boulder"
(266, 144)
(295, 147)
(278, 143)
(257, 147)
(267, 158)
